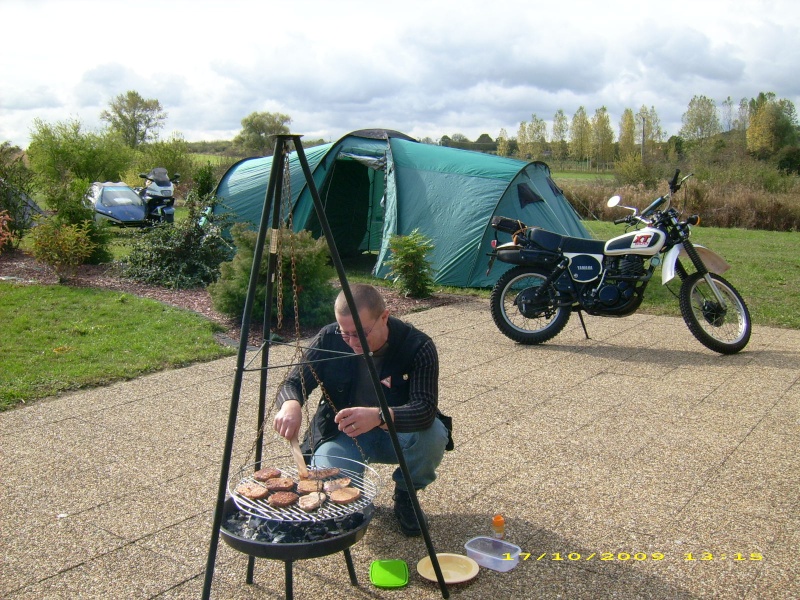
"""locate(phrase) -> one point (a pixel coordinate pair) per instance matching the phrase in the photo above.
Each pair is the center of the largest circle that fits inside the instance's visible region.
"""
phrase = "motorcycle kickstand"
(583, 324)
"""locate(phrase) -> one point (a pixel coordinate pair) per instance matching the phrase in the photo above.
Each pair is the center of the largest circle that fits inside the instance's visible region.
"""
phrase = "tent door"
(352, 198)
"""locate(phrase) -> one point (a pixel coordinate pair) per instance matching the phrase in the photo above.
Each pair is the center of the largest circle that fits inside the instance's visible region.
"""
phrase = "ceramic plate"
(456, 568)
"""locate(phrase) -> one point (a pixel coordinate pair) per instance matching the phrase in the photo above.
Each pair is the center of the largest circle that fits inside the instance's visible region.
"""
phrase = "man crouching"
(408, 367)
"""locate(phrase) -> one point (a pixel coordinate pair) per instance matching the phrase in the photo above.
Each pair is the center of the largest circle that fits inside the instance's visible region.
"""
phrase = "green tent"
(377, 183)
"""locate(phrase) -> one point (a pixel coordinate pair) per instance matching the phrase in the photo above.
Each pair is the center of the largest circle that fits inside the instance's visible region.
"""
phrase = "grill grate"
(329, 510)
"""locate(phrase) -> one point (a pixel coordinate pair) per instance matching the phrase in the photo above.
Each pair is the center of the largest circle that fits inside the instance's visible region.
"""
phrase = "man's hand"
(357, 420)
(287, 421)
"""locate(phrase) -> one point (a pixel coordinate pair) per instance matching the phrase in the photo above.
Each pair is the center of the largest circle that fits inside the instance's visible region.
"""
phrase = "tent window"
(527, 195)
(554, 188)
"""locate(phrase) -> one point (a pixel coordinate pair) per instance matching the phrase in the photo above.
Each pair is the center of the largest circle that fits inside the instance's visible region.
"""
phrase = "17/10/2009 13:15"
(637, 556)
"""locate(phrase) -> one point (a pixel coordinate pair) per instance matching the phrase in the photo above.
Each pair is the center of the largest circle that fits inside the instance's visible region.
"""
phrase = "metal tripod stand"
(272, 199)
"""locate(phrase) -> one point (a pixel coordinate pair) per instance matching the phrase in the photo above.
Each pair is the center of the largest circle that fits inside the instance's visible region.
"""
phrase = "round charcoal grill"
(362, 477)
(293, 518)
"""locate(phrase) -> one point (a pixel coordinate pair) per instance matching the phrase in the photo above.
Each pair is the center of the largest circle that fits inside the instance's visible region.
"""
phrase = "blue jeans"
(422, 450)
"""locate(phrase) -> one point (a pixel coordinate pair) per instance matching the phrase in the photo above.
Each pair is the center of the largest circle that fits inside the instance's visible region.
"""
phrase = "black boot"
(404, 512)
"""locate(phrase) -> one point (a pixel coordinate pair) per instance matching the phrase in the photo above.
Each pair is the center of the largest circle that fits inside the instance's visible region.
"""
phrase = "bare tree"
(727, 114)
(648, 131)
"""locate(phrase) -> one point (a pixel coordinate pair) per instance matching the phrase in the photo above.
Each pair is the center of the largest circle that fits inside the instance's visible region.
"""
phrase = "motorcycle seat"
(583, 246)
(563, 243)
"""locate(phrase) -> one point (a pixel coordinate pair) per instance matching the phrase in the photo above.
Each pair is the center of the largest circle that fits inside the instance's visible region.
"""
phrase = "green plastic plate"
(388, 573)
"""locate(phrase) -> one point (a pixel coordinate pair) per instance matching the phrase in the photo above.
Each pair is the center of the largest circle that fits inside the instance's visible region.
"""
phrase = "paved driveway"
(636, 464)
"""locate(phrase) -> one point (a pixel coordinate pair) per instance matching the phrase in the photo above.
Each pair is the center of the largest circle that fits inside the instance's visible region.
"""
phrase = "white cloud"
(425, 68)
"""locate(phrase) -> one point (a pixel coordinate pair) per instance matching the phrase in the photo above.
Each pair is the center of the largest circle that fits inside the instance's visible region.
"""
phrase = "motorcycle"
(556, 275)
(158, 194)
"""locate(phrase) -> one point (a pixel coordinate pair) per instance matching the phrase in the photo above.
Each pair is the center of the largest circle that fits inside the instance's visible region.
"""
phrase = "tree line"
(764, 127)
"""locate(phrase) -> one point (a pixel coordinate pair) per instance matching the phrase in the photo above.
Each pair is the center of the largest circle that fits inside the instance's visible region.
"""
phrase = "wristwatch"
(380, 416)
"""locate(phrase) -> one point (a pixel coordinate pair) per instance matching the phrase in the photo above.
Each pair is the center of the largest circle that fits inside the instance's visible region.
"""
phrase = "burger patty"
(321, 473)
(267, 473)
(345, 495)
(282, 499)
(252, 490)
(308, 486)
(335, 484)
(280, 484)
(311, 501)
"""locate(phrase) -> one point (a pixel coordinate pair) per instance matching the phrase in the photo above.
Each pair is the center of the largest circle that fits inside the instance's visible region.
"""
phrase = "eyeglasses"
(348, 336)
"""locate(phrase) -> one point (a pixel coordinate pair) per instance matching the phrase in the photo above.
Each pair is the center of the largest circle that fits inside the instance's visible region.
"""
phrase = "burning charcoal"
(255, 522)
(316, 532)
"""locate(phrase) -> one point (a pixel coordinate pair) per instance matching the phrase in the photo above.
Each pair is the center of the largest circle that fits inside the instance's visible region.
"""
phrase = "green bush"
(16, 187)
(172, 154)
(66, 198)
(65, 151)
(631, 171)
(179, 255)
(5, 230)
(410, 269)
(62, 246)
(313, 273)
(204, 180)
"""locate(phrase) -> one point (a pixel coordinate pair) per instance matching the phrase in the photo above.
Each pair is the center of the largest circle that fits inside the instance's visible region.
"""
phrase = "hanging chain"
(286, 214)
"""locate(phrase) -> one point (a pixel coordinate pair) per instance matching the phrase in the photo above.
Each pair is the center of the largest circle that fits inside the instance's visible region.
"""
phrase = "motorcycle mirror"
(613, 201)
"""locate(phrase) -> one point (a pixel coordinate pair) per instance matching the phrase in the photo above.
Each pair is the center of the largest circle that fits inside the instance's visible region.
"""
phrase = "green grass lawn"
(563, 178)
(58, 338)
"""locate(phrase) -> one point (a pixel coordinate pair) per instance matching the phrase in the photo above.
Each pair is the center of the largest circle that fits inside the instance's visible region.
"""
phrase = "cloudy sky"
(426, 68)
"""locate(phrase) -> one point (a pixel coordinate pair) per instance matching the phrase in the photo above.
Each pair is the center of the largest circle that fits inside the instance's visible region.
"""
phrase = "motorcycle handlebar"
(620, 221)
(674, 182)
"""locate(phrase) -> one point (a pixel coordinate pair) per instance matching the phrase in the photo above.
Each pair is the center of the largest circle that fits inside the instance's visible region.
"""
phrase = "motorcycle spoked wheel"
(531, 325)
(724, 330)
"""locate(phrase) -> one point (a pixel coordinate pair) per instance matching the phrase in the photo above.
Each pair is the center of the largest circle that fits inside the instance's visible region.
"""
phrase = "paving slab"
(632, 464)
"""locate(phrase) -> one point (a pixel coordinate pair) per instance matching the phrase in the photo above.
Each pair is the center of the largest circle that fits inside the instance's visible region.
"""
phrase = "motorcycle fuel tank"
(645, 242)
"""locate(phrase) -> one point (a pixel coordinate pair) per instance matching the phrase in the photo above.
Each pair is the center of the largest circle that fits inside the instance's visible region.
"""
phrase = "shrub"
(312, 270)
(180, 255)
(62, 246)
(16, 188)
(172, 154)
(65, 151)
(66, 198)
(5, 230)
(204, 180)
(631, 171)
(410, 269)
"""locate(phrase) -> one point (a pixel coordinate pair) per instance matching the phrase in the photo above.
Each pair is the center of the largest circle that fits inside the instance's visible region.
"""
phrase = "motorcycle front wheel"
(520, 319)
(724, 330)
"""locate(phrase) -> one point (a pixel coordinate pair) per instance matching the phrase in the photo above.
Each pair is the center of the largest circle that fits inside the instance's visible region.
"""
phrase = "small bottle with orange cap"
(498, 527)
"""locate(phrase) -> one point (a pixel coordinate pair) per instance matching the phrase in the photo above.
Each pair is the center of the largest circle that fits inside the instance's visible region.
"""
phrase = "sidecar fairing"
(116, 203)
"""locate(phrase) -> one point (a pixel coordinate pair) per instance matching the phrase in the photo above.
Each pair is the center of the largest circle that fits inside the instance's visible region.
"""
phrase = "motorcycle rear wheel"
(540, 324)
(726, 330)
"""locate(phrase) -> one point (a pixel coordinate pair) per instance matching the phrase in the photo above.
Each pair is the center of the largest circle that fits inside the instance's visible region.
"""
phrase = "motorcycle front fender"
(713, 261)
